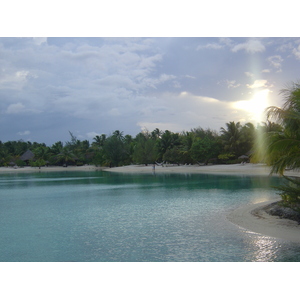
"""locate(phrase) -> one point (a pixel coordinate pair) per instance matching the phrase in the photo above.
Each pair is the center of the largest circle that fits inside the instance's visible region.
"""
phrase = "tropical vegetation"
(197, 146)
(280, 144)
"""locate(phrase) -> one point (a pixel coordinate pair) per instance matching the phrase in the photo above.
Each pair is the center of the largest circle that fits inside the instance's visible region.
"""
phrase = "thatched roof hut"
(28, 155)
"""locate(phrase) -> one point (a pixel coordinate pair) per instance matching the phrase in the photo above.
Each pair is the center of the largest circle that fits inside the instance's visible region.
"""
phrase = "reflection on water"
(98, 216)
(264, 248)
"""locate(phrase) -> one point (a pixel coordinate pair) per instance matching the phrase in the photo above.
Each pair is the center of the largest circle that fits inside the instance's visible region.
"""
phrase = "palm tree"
(5, 157)
(231, 137)
(41, 156)
(283, 147)
(99, 140)
(65, 156)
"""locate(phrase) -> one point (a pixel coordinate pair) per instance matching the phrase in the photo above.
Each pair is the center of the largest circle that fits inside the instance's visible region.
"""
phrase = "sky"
(89, 86)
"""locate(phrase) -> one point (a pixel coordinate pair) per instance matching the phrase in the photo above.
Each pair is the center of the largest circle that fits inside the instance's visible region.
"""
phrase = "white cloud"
(266, 71)
(189, 76)
(214, 46)
(251, 46)
(226, 41)
(231, 84)
(15, 108)
(39, 40)
(26, 132)
(100, 84)
(154, 82)
(249, 74)
(259, 84)
(188, 111)
(296, 52)
(13, 79)
(285, 47)
(275, 61)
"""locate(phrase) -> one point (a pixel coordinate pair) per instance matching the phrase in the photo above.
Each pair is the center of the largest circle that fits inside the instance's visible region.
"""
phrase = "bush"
(20, 163)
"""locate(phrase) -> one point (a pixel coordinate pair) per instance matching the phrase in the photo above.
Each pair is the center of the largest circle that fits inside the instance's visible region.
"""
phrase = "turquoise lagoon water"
(110, 217)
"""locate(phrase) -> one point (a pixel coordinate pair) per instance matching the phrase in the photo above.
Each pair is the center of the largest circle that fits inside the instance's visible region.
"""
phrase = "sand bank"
(235, 169)
(48, 169)
(253, 217)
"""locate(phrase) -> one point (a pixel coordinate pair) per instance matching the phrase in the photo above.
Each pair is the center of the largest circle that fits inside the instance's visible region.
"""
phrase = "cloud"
(275, 61)
(214, 46)
(184, 111)
(226, 41)
(249, 74)
(12, 79)
(39, 40)
(223, 42)
(189, 76)
(102, 84)
(15, 108)
(26, 132)
(296, 52)
(251, 46)
(231, 84)
(261, 83)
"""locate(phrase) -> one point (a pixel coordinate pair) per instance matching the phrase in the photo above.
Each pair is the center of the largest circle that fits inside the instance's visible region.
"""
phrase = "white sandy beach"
(253, 218)
(49, 169)
(238, 169)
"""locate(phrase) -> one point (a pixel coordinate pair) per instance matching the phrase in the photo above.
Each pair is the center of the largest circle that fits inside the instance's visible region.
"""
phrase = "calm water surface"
(99, 216)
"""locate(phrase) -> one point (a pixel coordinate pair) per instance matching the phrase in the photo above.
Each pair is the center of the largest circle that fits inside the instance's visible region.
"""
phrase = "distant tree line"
(197, 146)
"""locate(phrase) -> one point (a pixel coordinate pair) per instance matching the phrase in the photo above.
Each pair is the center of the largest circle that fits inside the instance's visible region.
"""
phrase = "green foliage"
(237, 139)
(65, 156)
(225, 156)
(20, 163)
(173, 156)
(283, 147)
(290, 192)
(203, 149)
(38, 163)
(114, 149)
(144, 150)
(197, 145)
(5, 157)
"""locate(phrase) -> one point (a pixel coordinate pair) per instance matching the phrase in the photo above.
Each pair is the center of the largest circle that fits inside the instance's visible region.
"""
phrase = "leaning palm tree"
(283, 147)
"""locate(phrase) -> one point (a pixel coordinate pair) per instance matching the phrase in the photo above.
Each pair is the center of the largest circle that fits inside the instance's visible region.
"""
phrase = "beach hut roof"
(27, 155)
(243, 156)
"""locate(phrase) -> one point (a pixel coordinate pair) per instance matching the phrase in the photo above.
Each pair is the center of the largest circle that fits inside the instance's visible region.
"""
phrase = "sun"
(256, 106)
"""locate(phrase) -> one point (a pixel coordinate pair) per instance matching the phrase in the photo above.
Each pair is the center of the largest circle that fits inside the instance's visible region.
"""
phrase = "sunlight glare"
(255, 106)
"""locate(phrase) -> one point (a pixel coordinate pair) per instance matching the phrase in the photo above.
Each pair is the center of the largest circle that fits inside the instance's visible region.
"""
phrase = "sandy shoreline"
(235, 169)
(49, 169)
(253, 217)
